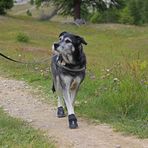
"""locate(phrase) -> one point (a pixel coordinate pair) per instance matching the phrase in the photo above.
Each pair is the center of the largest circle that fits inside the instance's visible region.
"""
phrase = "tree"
(4, 5)
(146, 11)
(135, 11)
(125, 16)
(76, 8)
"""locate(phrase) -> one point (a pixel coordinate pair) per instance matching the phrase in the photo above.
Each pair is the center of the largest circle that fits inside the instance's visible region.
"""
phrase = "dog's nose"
(56, 45)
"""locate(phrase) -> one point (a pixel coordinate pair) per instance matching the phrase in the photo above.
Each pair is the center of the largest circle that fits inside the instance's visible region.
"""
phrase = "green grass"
(115, 90)
(15, 133)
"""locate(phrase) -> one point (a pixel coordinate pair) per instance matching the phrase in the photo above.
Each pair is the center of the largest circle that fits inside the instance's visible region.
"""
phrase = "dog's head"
(68, 44)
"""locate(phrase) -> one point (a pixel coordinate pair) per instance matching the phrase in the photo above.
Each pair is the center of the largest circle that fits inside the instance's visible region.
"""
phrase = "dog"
(68, 66)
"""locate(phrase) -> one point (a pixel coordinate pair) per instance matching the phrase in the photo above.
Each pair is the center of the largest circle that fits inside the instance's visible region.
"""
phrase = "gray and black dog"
(68, 67)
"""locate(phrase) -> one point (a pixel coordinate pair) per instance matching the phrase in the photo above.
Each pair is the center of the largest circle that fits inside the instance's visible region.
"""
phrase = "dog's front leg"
(60, 112)
(71, 116)
(68, 102)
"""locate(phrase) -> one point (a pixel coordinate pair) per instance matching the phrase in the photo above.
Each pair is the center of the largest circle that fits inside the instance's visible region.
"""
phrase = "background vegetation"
(115, 90)
(4, 5)
(113, 11)
(101, 11)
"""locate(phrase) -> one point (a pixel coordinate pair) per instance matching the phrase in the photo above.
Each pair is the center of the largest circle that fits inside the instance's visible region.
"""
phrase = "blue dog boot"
(72, 121)
(60, 112)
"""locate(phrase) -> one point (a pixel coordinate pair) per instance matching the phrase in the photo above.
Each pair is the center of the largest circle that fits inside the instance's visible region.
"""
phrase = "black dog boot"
(72, 121)
(60, 112)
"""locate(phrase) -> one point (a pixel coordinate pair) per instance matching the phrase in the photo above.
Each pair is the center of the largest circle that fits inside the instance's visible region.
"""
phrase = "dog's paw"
(60, 112)
(72, 121)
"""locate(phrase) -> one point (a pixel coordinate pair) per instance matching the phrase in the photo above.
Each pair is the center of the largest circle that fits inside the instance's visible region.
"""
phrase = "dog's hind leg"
(73, 94)
(53, 88)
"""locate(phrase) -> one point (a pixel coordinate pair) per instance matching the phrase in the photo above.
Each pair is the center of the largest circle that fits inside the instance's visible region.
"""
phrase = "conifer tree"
(4, 5)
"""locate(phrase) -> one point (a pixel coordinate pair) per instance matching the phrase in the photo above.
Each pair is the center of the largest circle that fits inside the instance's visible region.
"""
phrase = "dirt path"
(16, 97)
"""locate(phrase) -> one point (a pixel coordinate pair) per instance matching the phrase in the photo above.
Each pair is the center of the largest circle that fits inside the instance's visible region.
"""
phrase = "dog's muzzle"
(56, 45)
(54, 48)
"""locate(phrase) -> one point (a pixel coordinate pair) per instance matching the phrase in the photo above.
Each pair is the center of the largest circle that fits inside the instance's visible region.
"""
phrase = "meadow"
(16, 133)
(115, 90)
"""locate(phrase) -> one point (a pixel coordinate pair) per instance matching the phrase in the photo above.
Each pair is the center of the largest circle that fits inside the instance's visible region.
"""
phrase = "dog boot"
(60, 112)
(72, 121)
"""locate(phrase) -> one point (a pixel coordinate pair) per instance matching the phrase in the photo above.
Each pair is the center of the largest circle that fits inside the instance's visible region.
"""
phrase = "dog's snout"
(56, 45)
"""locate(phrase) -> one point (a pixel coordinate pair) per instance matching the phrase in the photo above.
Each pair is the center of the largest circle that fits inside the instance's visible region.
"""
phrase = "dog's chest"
(71, 82)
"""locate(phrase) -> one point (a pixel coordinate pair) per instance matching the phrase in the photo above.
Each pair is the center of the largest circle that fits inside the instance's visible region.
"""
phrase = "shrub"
(125, 17)
(110, 15)
(120, 95)
(96, 17)
(28, 12)
(4, 5)
(22, 37)
(135, 12)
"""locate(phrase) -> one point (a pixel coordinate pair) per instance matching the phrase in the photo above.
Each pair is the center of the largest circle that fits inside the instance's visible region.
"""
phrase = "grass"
(15, 133)
(115, 90)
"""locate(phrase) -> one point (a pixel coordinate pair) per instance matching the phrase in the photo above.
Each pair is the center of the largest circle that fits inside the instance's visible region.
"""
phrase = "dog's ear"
(81, 40)
(62, 33)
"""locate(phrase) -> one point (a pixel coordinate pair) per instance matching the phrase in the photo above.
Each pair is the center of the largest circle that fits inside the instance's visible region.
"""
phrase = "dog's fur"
(68, 70)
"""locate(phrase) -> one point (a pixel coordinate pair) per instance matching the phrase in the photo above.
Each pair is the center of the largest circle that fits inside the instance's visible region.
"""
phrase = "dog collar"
(62, 65)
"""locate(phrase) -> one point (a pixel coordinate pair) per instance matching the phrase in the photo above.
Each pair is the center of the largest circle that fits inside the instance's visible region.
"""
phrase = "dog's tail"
(53, 88)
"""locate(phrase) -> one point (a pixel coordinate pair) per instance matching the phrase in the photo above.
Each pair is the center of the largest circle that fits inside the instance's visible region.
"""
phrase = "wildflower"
(108, 70)
(36, 68)
(116, 80)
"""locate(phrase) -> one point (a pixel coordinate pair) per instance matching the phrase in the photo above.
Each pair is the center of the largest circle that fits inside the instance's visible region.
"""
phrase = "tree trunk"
(77, 9)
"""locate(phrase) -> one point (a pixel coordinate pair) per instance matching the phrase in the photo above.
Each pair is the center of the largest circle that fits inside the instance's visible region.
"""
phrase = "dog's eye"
(67, 41)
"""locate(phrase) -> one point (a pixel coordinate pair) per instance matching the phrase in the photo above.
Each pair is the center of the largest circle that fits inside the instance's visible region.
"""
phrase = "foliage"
(116, 86)
(121, 11)
(131, 12)
(96, 17)
(22, 37)
(135, 11)
(4, 5)
(32, 2)
(125, 16)
(145, 8)
(67, 7)
(28, 12)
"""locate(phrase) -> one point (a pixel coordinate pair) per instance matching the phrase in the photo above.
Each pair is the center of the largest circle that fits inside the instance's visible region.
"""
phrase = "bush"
(96, 17)
(125, 17)
(135, 12)
(22, 37)
(28, 12)
(4, 5)
(111, 15)
(120, 95)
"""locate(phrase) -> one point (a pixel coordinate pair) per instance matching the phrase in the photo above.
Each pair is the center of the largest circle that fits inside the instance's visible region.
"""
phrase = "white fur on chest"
(70, 82)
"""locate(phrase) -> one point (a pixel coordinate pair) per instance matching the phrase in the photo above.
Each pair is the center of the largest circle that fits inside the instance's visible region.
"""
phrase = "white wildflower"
(116, 80)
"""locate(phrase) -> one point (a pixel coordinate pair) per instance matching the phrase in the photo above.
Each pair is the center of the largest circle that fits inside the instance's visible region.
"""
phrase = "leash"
(16, 61)
(42, 61)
